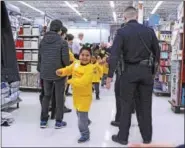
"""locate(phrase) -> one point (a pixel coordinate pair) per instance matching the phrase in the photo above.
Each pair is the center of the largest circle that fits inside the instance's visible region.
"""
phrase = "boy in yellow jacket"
(105, 72)
(97, 75)
(82, 74)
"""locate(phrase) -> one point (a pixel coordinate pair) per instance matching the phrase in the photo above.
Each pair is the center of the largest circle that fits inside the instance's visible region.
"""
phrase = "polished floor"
(25, 132)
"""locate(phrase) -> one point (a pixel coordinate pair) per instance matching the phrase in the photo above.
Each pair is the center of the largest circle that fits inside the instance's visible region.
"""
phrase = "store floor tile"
(25, 132)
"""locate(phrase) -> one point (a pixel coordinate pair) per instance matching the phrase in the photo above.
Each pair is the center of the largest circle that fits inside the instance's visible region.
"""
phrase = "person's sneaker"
(89, 122)
(60, 124)
(43, 124)
(114, 123)
(83, 139)
(67, 110)
(68, 94)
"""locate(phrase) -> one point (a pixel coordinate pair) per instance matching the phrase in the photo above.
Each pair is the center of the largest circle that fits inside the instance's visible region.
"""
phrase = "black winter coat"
(9, 67)
(53, 54)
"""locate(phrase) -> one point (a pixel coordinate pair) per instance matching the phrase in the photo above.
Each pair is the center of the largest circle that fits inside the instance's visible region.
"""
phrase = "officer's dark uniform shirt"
(128, 43)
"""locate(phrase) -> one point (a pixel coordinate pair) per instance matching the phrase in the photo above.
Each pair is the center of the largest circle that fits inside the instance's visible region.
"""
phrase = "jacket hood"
(51, 37)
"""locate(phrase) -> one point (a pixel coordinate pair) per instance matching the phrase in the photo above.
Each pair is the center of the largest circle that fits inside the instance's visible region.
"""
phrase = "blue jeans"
(83, 123)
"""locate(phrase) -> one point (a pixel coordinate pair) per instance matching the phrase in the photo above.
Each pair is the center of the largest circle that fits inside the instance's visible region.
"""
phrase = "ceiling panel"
(93, 10)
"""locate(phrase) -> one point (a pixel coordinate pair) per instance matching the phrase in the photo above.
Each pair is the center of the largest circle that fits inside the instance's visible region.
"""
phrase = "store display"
(178, 62)
(27, 55)
(162, 83)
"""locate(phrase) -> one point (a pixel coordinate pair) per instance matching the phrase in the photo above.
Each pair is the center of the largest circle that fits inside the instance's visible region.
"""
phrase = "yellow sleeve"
(67, 71)
(84, 80)
(71, 56)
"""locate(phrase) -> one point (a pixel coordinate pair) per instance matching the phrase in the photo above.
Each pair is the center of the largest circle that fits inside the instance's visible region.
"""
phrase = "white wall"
(97, 34)
(91, 35)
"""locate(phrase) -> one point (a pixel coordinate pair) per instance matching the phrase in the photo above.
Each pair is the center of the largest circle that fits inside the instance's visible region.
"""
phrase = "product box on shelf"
(22, 66)
(35, 55)
(27, 43)
(34, 67)
(19, 54)
(35, 31)
(32, 79)
(19, 43)
(27, 29)
(27, 55)
(23, 78)
(34, 43)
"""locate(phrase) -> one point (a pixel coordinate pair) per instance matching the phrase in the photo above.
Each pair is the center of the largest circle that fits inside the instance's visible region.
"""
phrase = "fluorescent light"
(114, 16)
(74, 9)
(85, 19)
(112, 4)
(25, 18)
(28, 5)
(156, 7)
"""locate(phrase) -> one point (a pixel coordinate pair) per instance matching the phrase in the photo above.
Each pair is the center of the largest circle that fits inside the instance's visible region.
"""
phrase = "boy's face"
(85, 57)
(93, 60)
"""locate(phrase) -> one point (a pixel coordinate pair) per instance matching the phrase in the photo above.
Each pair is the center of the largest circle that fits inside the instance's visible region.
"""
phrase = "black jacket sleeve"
(116, 49)
(155, 46)
(65, 53)
(39, 59)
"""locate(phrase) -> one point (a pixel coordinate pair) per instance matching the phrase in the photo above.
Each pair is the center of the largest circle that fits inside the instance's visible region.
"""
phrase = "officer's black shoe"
(147, 141)
(68, 94)
(67, 110)
(114, 123)
(115, 139)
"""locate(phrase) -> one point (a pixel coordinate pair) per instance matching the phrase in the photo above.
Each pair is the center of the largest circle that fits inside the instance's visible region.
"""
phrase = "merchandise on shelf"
(27, 55)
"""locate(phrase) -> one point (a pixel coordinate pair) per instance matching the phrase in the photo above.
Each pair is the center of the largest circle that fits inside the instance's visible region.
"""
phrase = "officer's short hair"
(56, 26)
(130, 12)
(64, 30)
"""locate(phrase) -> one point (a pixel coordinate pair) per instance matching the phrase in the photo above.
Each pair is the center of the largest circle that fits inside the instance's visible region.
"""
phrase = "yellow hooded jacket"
(71, 56)
(105, 68)
(81, 83)
(97, 72)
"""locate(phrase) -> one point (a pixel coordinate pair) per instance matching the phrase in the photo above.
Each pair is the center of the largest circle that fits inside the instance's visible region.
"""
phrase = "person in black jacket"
(138, 45)
(53, 54)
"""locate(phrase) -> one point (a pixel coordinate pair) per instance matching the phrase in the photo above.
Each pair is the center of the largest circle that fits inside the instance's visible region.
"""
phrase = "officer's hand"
(108, 83)
(58, 72)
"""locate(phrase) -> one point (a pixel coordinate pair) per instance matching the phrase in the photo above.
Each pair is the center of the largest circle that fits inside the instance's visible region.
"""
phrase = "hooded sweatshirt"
(53, 54)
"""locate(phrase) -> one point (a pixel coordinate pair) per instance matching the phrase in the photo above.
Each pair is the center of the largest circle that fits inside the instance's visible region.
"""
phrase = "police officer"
(138, 45)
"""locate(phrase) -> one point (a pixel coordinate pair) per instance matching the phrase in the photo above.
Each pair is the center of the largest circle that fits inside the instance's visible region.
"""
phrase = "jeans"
(97, 88)
(83, 123)
(103, 81)
(59, 96)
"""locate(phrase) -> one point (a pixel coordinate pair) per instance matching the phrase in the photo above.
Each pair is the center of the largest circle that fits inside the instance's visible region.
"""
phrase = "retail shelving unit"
(27, 56)
(162, 83)
(178, 63)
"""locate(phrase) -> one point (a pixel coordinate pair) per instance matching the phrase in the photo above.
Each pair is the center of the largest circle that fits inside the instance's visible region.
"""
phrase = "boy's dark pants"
(103, 82)
(83, 123)
(59, 86)
(97, 88)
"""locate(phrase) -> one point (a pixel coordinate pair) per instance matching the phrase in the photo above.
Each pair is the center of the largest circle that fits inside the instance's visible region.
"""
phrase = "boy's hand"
(58, 72)
(108, 83)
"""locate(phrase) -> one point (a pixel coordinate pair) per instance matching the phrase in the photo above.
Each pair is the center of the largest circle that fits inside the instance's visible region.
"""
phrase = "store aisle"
(25, 132)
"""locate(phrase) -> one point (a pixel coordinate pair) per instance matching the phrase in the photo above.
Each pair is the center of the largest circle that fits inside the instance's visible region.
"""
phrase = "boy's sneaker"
(43, 124)
(89, 122)
(83, 139)
(60, 124)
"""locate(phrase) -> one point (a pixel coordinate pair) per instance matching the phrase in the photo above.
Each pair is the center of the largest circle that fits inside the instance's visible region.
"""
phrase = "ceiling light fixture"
(157, 7)
(74, 9)
(85, 19)
(114, 16)
(112, 4)
(28, 5)
(25, 18)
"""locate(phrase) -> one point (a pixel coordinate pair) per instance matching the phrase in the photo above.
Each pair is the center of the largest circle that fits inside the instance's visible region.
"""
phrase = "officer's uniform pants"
(136, 77)
(117, 96)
